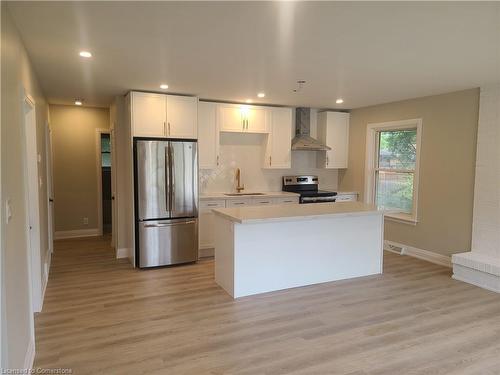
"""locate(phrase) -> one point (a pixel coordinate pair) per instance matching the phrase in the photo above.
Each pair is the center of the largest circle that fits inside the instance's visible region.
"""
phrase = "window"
(392, 167)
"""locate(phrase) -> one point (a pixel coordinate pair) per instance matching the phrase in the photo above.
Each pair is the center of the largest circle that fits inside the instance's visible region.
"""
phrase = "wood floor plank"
(101, 316)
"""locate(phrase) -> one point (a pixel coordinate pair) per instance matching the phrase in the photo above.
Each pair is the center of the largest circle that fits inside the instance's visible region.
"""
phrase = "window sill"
(402, 218)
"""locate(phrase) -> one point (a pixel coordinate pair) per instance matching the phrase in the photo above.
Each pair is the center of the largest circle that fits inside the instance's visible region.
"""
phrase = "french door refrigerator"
(166, 202)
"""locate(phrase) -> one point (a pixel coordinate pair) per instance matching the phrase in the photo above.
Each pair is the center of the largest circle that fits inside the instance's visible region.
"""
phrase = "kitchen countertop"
(264, 194)
(294, 212)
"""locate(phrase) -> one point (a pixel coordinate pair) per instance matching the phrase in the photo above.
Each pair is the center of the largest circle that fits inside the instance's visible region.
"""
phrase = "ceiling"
(366, 53)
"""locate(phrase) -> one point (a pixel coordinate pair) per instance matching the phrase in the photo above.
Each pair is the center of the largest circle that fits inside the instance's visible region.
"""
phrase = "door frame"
(98, 133)
(32, 201)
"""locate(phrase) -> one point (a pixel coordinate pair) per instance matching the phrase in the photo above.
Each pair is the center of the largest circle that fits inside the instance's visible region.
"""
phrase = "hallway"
(100, 316)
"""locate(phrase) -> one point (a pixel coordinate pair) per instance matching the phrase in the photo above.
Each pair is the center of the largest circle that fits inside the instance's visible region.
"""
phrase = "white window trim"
(371, 145)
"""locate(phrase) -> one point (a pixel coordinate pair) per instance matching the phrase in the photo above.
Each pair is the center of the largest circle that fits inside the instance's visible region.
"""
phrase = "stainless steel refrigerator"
(166, 202)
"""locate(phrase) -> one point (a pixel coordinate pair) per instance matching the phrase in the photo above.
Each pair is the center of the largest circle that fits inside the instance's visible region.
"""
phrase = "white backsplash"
(245, 151)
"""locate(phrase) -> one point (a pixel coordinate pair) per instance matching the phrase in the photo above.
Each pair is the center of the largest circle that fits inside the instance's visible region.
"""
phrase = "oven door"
(317, 199)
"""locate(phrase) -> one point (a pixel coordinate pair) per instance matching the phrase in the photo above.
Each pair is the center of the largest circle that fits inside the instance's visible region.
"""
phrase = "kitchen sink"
(239, 194)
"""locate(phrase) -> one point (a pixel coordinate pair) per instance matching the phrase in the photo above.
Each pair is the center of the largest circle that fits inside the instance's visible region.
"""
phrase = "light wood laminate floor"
(100, 316)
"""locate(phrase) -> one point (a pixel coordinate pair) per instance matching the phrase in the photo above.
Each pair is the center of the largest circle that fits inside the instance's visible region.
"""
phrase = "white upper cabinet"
(166, 116)
(182, 114)
(333, 130)
(148, 114)
(243, 118)
(278, 153)
(257, 119)
(208, 135)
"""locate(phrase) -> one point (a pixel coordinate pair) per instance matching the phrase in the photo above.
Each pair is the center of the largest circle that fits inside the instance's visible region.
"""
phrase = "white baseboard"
(429, 256)
(59, 235)
(29, 358)
(122, 252)
(475, 277)
(206, 252)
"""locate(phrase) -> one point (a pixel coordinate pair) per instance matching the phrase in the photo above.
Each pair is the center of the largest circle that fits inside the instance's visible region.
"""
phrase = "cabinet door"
(148, 114)
(208, 141)
(278, 152)
(346, 198)
(182, 117)
(230, 118)
(257, 120)
(206, 231)
(333, 129)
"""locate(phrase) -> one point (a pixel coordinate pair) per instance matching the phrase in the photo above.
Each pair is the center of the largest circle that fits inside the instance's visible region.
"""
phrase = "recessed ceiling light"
(261, 94)
(248, 101)
(163, 86)
(86, 54)
(339, 101)
(78, 101)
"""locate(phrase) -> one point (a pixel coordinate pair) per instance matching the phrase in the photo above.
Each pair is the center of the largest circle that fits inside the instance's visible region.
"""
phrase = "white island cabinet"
(265, 248)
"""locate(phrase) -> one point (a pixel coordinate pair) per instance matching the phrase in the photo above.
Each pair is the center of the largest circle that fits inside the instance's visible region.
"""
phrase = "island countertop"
(294, 212)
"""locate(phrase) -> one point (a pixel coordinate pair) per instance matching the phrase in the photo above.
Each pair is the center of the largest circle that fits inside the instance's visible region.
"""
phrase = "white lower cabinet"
(346, 198)
(239, 202)
(288, 200)
(205, 226)
(206, 217)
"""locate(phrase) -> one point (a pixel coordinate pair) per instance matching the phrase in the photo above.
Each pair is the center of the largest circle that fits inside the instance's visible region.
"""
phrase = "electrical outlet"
(86, 221)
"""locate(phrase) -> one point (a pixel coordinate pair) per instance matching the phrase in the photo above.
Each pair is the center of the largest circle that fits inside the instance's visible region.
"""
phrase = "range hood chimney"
(303, 140)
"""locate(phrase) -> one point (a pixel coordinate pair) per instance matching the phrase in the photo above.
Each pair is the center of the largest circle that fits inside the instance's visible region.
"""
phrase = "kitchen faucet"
(239, 187)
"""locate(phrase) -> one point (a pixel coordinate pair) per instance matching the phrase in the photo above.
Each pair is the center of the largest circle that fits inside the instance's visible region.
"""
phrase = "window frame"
(372, 131)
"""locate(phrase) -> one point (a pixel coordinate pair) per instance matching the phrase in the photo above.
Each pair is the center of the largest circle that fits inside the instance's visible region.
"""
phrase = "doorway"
(105, 191)
(32, 202)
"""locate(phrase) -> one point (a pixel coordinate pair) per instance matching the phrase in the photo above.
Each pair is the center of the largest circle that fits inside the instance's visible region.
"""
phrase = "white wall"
(124, 199)
(18, 76)
(486, 220)
(245, 151)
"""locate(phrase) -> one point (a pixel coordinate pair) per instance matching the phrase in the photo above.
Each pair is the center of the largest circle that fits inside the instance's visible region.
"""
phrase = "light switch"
(8, 211)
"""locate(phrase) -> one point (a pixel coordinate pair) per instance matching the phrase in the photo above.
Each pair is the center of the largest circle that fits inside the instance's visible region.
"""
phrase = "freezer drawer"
(167, 242)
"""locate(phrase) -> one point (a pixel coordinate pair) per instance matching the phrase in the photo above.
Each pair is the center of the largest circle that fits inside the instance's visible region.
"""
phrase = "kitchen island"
(267, 248)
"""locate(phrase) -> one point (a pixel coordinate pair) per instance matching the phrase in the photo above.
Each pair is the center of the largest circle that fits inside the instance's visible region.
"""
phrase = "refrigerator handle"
(171, 178)
(167, 178)
(169, 224)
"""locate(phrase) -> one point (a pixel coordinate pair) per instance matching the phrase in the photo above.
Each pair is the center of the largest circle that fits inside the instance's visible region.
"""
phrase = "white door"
(208, 136)
(114, 227)
(230, 117)
(50, 186)
(182, 117)
(258, 121)
(279, 153)
(148, 114)
(32, 200)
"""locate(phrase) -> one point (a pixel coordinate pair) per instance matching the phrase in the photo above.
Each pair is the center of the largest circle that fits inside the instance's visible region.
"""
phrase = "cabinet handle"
(270, 160)
(212, 204)
(238, 203)
(247, 124)
(217, 159)
(327, 161)
(169, 128)
(164, 128)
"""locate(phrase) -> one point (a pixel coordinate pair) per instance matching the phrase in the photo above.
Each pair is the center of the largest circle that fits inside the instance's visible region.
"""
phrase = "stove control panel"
(300, 180)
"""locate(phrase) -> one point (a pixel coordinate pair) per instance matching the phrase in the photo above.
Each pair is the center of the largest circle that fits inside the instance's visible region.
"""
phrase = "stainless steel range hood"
(303, 140)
